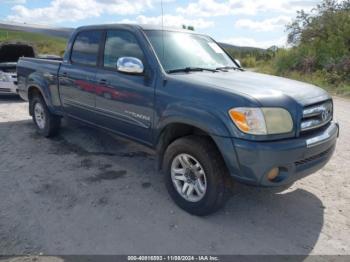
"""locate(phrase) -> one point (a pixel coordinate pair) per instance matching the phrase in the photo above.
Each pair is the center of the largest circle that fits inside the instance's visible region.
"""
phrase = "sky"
(258, 23)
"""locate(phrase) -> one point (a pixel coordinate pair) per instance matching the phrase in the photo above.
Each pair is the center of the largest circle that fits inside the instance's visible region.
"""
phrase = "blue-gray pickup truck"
(180, 93)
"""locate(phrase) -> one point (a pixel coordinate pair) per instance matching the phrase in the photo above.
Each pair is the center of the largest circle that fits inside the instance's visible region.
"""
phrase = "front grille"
(313, 158)
(316, 116)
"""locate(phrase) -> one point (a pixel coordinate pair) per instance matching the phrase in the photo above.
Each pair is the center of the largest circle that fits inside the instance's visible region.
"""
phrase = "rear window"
(85, 48)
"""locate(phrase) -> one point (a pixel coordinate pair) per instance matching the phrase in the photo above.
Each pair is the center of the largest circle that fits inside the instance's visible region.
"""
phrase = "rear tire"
(46, 123)
(204, 173)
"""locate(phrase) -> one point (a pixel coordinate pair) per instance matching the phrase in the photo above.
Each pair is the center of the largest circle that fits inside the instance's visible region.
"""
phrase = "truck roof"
(134, 26)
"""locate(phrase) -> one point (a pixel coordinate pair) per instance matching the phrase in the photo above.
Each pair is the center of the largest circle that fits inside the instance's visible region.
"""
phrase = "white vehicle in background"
(8, 78)
(9, 55)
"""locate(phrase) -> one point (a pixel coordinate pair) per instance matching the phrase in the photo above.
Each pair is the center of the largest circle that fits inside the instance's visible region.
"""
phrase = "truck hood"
(11, 52)
(258, 86)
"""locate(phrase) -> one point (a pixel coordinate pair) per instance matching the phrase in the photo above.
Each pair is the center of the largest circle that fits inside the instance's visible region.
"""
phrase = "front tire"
(46, 123)
(195, 175)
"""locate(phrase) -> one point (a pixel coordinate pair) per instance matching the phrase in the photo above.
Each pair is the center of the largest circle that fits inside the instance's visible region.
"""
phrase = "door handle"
(103, 82)
(65, 74)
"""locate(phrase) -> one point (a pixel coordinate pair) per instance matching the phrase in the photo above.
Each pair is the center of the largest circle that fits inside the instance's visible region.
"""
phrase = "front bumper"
(295, 158)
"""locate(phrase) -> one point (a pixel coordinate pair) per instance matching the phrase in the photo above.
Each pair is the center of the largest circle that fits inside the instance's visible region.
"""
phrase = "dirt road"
(87, 192)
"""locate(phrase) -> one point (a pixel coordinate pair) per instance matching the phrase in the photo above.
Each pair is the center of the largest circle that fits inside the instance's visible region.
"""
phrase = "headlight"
(262, 121)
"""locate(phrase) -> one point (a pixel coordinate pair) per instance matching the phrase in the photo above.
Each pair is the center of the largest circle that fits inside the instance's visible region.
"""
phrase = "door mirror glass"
(131, 65)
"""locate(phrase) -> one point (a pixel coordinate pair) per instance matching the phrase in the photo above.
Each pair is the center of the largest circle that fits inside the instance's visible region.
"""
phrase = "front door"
(124, 102)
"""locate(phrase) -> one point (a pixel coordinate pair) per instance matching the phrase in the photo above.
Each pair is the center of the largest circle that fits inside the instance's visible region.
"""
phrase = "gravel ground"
(89, 192)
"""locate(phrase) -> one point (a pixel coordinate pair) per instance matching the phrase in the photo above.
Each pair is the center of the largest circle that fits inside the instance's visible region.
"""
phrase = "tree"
(190, 27)
(308, 26)
(322, 37)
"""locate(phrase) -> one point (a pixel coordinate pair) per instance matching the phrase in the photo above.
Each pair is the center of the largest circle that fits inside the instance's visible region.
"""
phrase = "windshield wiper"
(228, 68)
(191, 69)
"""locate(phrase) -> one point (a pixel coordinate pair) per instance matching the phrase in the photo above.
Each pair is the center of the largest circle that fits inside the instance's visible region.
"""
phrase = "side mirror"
(130, 65)
(238, 62)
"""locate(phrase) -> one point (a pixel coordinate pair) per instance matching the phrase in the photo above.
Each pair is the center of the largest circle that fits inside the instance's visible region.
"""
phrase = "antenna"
(161, 5)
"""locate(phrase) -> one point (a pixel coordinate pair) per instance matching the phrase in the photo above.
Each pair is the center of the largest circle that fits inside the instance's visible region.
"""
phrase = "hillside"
(43, 43)
(42, 33)
(40, 29)
(241, 49)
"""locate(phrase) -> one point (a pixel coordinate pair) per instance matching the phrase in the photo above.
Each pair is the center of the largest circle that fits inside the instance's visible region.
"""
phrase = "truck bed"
(29, 69)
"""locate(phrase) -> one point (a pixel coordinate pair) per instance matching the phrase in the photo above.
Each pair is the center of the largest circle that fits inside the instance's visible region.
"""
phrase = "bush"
(321, 48)
(285, 60)
(248, 62)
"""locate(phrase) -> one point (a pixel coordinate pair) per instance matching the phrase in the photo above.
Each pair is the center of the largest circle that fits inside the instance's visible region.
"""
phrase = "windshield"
(186, 50)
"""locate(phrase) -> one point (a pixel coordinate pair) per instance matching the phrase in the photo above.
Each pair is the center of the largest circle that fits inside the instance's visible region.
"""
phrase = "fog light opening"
(273, 174)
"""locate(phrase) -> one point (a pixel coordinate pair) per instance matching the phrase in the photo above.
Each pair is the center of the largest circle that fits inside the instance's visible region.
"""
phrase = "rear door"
(77, 76)
(124, 102)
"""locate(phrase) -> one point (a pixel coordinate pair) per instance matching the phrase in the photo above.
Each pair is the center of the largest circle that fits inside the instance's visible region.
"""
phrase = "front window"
(120, 44)
(177, 50)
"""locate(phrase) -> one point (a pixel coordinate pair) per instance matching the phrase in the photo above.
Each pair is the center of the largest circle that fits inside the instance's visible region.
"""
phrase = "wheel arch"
(44, 92)
(32, 91)
(175, 130)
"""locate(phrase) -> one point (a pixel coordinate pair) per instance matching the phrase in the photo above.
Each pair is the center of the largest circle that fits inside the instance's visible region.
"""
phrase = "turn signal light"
(240, 119)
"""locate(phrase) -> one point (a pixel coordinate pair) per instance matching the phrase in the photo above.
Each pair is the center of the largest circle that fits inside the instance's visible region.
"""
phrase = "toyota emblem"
(325, 114)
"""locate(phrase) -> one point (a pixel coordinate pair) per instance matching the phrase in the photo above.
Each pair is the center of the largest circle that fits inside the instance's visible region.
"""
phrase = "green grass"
(43, 44)
(317, 78)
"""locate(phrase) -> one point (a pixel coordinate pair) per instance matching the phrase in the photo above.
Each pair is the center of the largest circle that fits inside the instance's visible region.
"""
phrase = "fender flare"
(195, 116)
(35, 81)
(191, 116)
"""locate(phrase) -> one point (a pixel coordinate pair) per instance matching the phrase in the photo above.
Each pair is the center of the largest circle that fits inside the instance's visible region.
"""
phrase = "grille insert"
(313, 158)
(316, 116)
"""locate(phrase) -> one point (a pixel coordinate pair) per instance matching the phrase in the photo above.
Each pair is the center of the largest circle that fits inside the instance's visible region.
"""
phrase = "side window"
(120, 44)
(85, 48)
